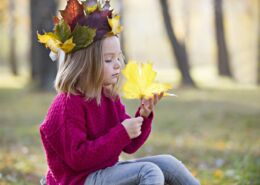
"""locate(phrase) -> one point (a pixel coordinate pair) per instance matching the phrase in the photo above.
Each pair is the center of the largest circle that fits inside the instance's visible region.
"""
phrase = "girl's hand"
(147, 105)
(133, 126)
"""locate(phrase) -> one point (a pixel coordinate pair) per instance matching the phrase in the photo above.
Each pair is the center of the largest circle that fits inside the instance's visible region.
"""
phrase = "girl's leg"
(127, 173)
(175, 173)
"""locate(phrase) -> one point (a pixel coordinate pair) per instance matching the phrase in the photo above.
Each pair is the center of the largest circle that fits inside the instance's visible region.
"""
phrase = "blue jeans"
(151, 170)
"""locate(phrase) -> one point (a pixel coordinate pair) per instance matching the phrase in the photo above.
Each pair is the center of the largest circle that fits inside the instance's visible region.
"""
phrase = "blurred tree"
(258, 43)
(12, 38)
(178, 48)
(258, 50)
(43, 70)
(3, 18)
(122, 34)
(222, 51)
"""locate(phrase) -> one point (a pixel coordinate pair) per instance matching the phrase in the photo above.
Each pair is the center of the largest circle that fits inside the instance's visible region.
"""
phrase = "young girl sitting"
(86, 127)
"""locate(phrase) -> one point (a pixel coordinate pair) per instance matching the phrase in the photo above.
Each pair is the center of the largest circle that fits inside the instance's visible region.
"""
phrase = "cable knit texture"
(80, 137)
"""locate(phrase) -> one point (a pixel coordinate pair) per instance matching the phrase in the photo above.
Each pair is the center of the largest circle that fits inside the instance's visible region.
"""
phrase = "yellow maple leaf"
(52, 41)
(140, 81)
(68, 45)
(114, 23)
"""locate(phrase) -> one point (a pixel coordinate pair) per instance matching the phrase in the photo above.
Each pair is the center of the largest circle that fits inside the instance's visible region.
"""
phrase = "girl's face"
(112, 58)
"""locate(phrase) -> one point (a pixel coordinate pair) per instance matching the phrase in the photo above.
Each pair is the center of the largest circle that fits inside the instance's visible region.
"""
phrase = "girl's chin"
(112, 82)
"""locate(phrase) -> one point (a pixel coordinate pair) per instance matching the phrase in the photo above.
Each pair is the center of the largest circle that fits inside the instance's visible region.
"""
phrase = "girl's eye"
(108, 61)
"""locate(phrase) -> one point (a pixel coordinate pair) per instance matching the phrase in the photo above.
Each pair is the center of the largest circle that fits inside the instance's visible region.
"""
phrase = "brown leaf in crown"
(81, 24)
(73, 11)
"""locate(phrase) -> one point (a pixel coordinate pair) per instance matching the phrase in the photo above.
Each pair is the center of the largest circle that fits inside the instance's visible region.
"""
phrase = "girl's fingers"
(148, 104)
(142, 100)
(145, 108)
(151, 103)
(156, 99)
(161, 95)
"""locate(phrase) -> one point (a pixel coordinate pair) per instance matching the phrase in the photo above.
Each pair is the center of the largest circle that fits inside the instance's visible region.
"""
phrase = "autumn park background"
(208, 49)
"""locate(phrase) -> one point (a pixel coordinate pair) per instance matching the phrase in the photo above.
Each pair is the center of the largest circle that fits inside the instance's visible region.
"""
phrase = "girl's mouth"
(117, 74)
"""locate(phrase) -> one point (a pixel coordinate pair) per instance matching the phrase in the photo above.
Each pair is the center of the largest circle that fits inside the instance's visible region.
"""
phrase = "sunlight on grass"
(204, 76)
(7, 80)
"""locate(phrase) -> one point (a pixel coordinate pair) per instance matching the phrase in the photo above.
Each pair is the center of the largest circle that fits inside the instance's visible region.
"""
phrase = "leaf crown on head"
(80, 24)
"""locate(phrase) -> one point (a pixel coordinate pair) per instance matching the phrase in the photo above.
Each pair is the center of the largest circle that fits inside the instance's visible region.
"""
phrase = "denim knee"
(181, 172)
(151, 174)
(169, 159)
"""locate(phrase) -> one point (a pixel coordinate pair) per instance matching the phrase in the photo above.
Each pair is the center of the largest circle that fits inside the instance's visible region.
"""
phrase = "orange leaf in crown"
(73, 11)
(55, 20)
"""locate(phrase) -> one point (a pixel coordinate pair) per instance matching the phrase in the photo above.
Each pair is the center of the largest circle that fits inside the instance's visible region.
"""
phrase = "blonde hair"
(82, 72)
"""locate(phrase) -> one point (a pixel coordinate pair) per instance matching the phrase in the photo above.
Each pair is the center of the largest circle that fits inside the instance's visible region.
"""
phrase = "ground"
(214, 131)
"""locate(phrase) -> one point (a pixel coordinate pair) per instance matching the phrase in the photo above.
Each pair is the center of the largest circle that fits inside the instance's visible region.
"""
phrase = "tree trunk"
(12, 39)
(222, 51)
(122, 35)
(258, 47)
(178, 48)
(43, 70)
(258, 57)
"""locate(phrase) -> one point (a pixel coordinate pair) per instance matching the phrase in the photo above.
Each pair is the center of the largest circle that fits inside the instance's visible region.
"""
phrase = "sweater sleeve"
(136, 143)
(71, 144)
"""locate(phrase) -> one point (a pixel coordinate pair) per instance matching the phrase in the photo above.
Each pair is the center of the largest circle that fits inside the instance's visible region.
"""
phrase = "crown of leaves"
(80, 24)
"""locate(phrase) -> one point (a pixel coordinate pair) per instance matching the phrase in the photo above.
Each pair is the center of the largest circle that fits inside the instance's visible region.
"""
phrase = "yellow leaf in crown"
(114, 23)
(91, 8)
(140, 81)
(50, 40)
(68, 45)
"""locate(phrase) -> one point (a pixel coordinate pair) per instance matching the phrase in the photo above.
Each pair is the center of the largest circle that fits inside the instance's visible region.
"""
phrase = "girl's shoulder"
(63, 107)
(68, 98)
(65, 103)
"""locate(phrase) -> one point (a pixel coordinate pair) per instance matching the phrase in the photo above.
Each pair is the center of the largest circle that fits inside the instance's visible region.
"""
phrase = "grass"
(214, 131)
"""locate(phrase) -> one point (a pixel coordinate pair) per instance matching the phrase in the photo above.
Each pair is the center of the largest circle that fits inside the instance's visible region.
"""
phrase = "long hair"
(82, 72)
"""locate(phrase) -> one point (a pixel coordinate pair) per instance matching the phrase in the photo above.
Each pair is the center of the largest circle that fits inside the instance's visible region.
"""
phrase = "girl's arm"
(136, 143)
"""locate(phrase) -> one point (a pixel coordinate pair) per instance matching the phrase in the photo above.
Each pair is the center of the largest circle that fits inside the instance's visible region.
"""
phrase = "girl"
(86, 127)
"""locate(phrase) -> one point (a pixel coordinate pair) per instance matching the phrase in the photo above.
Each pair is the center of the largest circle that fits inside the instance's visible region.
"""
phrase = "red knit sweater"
(80, 137)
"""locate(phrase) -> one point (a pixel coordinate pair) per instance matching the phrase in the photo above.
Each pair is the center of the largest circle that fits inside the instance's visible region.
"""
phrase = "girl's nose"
(117, 64)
